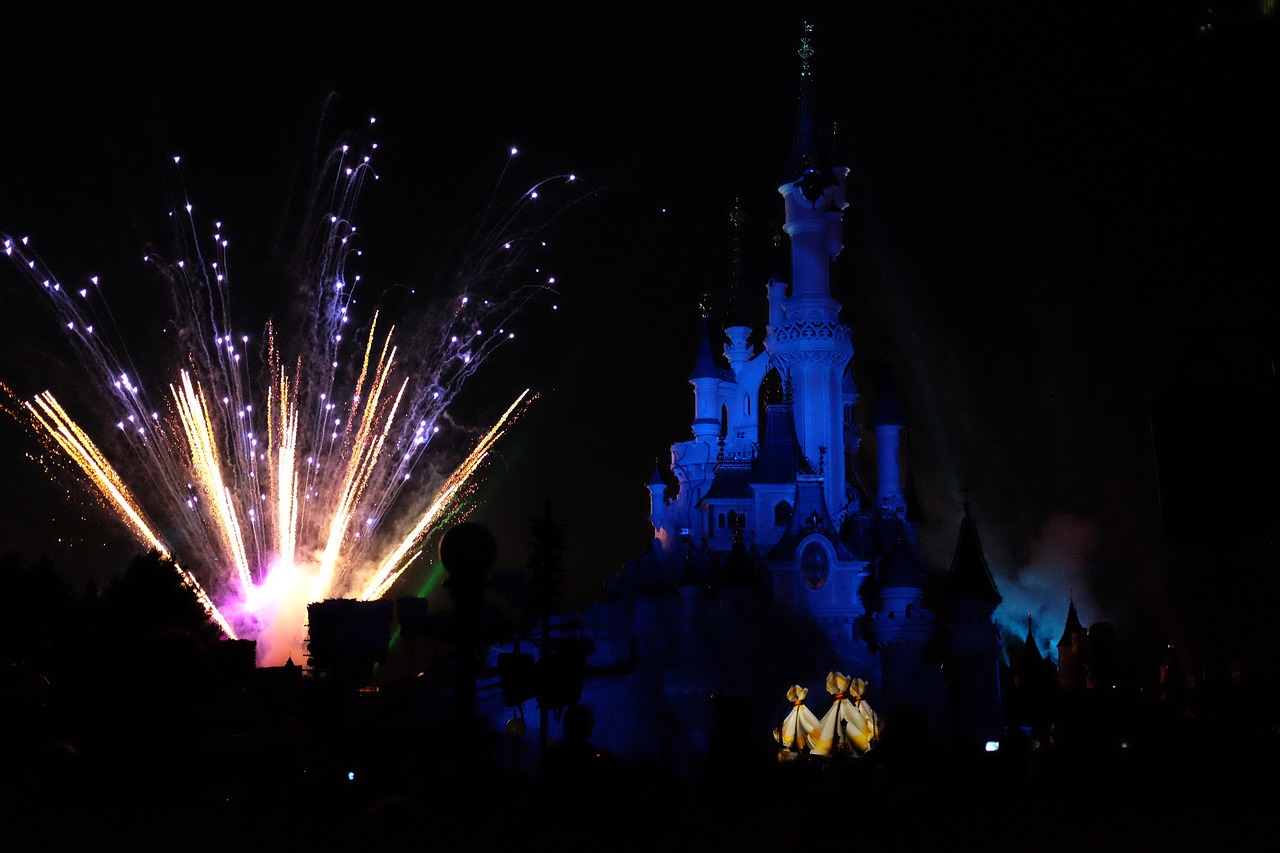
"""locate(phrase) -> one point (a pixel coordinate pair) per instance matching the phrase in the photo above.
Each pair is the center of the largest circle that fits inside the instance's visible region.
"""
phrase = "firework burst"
(281, 477)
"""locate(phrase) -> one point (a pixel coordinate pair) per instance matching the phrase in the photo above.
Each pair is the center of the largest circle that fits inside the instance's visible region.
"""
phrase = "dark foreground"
(352, 790)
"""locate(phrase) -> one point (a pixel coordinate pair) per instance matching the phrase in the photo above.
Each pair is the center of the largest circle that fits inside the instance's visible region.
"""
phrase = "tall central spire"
(808, 343)
(739, 313)
(804, 153)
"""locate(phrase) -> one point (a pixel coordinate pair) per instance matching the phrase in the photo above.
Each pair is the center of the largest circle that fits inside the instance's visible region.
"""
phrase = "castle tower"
(901, 629)
(806, 340)
(1034, 687)
(694, 461)
(1073, 648)
(972, 641)
(658, 501)
(706, 380)
(887, 423)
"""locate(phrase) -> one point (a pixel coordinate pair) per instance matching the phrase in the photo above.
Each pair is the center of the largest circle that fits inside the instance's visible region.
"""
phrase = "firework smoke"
(1057, 574)
(286, 478)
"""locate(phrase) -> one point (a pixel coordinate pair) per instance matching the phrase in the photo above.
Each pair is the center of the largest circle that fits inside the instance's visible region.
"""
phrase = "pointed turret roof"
(704, 366)
(810, 167)
(970, 578)
(1031, 649)
(847, 385)
(1073, 625)
(657, 479)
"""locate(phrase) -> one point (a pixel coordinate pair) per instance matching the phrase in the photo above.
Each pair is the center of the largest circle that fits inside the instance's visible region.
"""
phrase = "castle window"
(746, 404)
(721, 520)
(814, 566)
(782, 514)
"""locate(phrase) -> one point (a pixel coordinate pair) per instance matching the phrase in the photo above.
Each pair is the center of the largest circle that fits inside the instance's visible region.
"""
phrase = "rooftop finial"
(806, 50)
(704, 304)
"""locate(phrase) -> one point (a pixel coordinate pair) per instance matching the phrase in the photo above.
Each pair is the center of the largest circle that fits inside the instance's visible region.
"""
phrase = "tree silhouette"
(35, 604)
(148, 598)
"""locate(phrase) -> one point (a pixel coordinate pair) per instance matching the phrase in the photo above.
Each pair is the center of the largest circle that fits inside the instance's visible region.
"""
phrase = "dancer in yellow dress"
(849, 726)
(793, 733)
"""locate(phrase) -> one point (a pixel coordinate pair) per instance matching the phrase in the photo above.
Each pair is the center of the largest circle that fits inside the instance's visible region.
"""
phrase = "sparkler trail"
(288, 480)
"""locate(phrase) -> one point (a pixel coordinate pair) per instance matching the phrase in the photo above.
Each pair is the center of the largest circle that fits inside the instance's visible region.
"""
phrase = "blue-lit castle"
(772, 563)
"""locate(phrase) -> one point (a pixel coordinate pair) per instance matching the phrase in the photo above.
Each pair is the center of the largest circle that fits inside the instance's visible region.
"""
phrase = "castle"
(771, 563)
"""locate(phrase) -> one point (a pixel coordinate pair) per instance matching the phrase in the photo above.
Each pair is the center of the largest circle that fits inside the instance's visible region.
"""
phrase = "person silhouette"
(574, 757)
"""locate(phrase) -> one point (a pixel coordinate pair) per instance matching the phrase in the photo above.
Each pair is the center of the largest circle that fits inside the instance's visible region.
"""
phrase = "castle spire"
(1073, 650)
(806, 339)
(706, 379)
(1073, 625)
(738, 313)
(704, 365)
(973, 641)
(804, 151)
(970, 578)
(1031, 645)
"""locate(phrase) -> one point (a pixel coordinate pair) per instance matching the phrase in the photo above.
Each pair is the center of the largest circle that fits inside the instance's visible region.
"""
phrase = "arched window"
(782, 514)
(746, 405)
(814, 566)
(721, 520)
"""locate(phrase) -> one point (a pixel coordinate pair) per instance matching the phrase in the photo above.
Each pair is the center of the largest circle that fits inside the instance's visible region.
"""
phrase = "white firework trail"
(287, 481)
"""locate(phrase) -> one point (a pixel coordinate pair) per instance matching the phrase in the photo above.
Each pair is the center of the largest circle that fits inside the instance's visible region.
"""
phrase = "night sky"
(1061, 241)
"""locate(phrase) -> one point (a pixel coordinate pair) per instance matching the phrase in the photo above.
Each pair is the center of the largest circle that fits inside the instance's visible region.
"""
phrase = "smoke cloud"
(1058, 573)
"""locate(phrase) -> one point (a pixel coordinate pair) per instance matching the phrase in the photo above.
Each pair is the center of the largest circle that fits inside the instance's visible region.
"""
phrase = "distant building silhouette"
(1073, 652)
